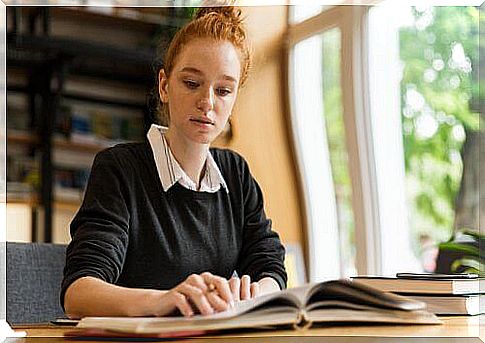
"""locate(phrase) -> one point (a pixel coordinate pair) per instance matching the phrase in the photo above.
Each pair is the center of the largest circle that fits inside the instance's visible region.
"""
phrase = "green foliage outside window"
(439, 53)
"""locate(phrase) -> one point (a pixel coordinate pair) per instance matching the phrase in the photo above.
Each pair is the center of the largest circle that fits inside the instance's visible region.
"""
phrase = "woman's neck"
(191, 156)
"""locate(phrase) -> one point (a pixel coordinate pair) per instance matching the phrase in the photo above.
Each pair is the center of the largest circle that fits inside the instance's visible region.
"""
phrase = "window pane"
(439, 50)
(438, 54)
(318, 121)
(334, 123)
(302, 12)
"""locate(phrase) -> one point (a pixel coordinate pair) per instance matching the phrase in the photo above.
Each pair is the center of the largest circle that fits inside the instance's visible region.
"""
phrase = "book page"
(263, 316)
(341, 315)
(352, 292)
(282, 299)
(277, 308)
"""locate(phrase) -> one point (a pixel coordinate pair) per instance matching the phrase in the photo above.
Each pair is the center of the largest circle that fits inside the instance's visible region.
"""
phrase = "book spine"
(302, 322)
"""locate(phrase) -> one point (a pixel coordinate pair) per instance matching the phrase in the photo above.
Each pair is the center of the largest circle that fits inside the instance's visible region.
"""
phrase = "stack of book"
(462, 294)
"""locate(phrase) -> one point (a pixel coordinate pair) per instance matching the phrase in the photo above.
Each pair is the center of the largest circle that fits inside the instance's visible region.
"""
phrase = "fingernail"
(231, 303)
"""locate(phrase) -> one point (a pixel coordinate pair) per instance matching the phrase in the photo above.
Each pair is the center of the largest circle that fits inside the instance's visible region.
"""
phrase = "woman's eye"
(223, 91)
(191, 84)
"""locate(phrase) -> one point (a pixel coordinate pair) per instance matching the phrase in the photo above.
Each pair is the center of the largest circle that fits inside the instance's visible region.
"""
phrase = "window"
(319, 130)
(315, 156)
(435, 50)
(382, 104)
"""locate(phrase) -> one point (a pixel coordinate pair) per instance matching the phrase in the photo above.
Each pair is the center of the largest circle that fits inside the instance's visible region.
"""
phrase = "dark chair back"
(34, 275)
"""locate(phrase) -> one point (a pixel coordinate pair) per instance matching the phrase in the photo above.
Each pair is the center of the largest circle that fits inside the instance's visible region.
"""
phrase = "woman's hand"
(205, 293)
(243, 289)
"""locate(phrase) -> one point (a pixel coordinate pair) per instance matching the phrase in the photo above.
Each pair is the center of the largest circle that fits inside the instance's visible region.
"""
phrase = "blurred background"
(360, 123)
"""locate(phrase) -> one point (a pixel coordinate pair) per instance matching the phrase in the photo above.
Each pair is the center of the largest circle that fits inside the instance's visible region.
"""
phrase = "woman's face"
(202, 88)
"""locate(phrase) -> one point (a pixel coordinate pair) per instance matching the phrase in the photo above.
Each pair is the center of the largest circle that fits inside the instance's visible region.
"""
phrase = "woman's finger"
(245, 287)
(180, 302)
(197, 297)
(219, 284)
(235, 286)
(216, 302)
(197, 281)
(255, 290)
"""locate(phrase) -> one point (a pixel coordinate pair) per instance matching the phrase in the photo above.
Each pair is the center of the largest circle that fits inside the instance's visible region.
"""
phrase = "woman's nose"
(206, 101)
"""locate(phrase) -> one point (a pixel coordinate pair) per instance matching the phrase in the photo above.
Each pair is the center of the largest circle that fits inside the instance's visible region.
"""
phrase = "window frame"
(351, 20)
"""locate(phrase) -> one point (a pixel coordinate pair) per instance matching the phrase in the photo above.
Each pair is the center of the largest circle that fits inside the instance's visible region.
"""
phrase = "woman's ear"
(163, 86)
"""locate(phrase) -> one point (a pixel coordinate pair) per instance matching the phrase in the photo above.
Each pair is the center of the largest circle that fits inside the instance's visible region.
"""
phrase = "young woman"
(165, 223)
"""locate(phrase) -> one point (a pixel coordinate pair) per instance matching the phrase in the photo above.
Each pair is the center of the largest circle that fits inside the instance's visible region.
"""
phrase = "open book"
(339, 301)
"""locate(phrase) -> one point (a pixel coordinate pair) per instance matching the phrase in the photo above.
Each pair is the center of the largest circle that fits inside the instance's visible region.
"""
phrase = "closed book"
(453, 305)
(337, 301)
(424, 286)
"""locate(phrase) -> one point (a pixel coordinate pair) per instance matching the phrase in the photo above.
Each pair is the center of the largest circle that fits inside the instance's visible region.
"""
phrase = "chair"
(34, 275)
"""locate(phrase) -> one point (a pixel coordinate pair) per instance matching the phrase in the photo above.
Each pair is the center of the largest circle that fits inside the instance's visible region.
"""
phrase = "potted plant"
(464, 252)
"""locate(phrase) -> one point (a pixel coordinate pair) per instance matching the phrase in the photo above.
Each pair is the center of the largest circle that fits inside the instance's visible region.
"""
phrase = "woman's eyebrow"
(199, 72)
(230, 78)
(191, 70)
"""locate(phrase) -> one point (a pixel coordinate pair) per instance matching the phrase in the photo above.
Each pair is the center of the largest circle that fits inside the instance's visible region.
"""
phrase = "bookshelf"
(22, 138)
(59, 143)
(77, 82)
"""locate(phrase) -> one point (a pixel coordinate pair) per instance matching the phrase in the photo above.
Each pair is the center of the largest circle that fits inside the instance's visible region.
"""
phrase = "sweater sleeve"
(99, 230)
(262, 253)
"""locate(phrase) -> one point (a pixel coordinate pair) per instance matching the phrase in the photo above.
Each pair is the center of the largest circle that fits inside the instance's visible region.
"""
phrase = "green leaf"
(475, 234)
(462, 248)
(468, 265)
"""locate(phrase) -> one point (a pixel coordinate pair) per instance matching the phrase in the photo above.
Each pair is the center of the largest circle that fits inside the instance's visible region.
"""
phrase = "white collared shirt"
(171, 172)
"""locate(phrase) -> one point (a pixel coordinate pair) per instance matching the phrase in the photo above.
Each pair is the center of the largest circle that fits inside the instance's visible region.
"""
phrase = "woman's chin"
(201, 138)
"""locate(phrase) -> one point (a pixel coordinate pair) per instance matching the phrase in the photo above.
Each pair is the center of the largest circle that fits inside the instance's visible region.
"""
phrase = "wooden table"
(468, 328)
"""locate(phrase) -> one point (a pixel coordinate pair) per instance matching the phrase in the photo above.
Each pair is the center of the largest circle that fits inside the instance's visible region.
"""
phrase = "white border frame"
(4, 327)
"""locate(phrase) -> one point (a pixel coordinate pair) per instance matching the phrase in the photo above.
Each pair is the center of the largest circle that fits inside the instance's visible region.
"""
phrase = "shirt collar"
(170, 171)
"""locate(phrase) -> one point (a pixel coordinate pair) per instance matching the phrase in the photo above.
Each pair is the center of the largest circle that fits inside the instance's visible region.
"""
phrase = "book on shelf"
(71, 178)
(23, 176)
(98, 126)
(424, 285)
(65, 194)
(19, 118)
(452, 305)
(19, 191)
(330, 302)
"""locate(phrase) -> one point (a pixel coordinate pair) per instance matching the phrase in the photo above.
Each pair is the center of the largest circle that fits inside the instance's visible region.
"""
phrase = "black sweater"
(131, 233)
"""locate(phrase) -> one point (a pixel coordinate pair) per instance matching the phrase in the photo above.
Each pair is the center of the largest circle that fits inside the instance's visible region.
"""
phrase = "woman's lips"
(202, 123)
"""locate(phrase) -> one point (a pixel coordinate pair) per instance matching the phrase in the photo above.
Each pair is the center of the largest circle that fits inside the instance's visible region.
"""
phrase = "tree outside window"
(440, 121)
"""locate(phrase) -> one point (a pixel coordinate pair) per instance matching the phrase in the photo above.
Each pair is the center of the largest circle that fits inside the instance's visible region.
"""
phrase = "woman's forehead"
(208, 56)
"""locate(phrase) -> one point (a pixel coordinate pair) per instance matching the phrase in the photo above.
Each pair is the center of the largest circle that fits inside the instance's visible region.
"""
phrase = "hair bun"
(230, 13)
